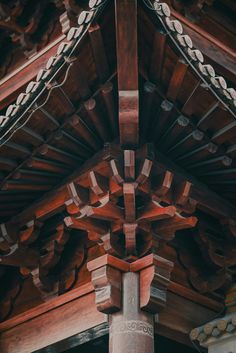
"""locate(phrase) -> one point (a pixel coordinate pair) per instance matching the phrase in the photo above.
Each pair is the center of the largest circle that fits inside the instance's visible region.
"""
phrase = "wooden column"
(127, 69)
(131, 294)
(131, 329)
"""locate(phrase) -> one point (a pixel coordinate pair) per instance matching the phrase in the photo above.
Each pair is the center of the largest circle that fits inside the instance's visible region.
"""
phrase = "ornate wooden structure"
(117, 174)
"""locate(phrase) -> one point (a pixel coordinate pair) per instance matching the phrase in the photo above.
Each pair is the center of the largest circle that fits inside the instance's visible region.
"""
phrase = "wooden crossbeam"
(207, 116)
(84, 131)
(225, 134)
(55, 337)
(58, 155)
(127, 68)
(93, 113)
(175, 131)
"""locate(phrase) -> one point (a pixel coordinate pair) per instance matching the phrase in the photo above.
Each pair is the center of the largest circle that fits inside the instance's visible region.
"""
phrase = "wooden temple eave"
(224, 53)
(112, 208)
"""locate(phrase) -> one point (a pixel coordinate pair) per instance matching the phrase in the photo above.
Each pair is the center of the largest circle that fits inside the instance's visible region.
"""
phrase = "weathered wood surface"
(127, 71)
(194, 138)
(13, 84)
(64, 317)
(56, 199)
(214, 48)
(52, 322)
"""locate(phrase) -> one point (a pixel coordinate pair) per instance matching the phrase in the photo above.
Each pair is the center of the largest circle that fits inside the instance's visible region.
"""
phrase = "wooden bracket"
(130, 230)
(106, 274)
(155, 274)
(31, 232)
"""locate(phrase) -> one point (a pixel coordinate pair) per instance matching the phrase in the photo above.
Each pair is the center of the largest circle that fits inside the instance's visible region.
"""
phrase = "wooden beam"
(197, 154)
(159, 44)
(109, 100)
(213, 48)
(12, 84)
(99, 125)
(148, 101)
(127, 68)
(176, 80)
(99, 52)
(20, 334)
(225, 134)
(79, 313)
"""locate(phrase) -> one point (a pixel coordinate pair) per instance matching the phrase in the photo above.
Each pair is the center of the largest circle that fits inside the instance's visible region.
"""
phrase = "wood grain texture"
(127, 70)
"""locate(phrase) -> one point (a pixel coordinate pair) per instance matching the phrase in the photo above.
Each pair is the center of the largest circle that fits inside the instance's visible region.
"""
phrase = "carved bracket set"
(132, 207)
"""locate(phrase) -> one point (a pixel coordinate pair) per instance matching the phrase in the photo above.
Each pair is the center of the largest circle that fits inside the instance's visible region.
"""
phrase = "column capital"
(154, 280)
(106, 275)
(154, 277)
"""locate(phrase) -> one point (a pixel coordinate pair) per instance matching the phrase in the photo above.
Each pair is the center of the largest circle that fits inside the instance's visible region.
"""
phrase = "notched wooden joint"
(106, 273)
(155, 274)
(107, 284)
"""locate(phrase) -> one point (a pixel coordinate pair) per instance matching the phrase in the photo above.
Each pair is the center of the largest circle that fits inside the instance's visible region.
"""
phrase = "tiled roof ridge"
(217, 84)
(26, 100)
(215, 328)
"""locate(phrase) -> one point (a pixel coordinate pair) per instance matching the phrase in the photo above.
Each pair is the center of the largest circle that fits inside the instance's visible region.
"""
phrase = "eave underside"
(178, 125)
